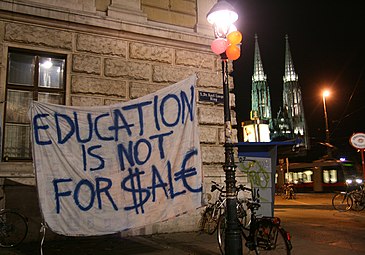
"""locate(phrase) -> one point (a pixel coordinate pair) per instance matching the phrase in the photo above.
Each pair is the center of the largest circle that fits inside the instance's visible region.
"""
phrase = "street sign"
(357, 140)
(210, 97)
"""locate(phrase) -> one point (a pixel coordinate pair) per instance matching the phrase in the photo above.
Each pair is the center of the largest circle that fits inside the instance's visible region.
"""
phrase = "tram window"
(295, 177)
(305, 177)
(330, 176)
(299, 177)
(287, 177)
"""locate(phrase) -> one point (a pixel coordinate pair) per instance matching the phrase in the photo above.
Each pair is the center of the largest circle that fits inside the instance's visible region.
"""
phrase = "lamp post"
(222, 16)
(325, 94)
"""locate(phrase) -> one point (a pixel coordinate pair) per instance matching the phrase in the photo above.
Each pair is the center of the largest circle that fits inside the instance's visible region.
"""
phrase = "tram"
(319, 176)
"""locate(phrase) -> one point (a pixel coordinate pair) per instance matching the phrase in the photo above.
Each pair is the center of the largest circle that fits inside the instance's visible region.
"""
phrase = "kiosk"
(257, 160)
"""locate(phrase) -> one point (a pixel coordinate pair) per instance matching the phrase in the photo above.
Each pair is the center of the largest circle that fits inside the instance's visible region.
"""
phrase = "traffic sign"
(357, 140)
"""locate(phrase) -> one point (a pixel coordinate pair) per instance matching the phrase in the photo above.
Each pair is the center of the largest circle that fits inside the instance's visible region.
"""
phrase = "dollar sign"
(140, 195)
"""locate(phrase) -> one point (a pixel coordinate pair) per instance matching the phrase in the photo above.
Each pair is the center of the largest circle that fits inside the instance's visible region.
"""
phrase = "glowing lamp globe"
(222, 16)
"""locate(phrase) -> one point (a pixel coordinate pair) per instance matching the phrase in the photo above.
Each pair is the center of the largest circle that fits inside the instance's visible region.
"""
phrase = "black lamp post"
(222, 16)
(325, 94)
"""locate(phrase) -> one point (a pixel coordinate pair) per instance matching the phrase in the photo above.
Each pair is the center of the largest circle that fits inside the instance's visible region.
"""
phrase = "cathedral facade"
(289, 122)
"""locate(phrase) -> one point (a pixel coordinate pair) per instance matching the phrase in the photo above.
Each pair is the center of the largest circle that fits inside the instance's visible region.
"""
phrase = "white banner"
(105, 169)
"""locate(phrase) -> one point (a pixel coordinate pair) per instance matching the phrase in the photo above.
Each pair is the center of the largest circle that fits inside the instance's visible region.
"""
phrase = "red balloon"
(233, 52)
(219, 46)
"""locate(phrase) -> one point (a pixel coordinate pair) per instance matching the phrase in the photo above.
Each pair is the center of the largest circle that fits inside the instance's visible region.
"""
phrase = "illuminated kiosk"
(257, 160)
(256, 131)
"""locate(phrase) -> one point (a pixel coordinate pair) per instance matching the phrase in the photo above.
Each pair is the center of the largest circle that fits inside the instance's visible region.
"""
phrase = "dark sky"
(327, 42)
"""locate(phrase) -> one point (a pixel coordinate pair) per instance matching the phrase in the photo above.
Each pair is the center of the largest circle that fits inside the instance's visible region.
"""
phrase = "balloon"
(234, 37)
(219, 46)
(233, 52)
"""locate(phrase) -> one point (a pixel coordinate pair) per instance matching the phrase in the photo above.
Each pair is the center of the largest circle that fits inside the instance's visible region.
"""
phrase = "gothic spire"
(258, 71)
(260, 93)
(289, 74)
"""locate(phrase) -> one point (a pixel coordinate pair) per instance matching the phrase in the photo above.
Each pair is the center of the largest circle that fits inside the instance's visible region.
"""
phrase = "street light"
(222, 16)
(325, 94)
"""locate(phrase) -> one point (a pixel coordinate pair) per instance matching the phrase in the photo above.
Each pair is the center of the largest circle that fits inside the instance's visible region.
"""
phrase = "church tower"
(260, 94)
(292, 101)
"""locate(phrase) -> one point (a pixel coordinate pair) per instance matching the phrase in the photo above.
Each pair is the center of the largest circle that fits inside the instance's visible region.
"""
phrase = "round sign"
(358, 141)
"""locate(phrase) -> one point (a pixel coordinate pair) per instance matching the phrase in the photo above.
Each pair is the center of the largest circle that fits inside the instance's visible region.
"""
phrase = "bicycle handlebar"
(216, 186)
(254, 192)
(252, 204)
(243, 188)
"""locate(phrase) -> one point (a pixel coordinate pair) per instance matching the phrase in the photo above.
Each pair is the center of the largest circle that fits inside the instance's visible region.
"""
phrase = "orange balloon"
(233, 52)
(234, 37)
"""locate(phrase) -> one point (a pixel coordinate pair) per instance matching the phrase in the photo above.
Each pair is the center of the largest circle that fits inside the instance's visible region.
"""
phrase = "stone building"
(103, 52)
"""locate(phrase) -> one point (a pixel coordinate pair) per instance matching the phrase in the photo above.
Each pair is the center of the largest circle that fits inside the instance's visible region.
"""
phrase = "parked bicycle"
(287, 191)
(213, 211)
(353, 199)
(263, 235)
(358, 198)
(13, 228)
(342, 201)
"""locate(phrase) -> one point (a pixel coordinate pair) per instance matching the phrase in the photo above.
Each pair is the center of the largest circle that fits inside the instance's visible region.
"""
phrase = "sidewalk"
(191, 243)
(309, 235)
(160, 244)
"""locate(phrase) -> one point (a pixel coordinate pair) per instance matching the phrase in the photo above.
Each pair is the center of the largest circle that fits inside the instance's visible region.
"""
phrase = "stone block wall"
(174, 12)
(105, 66)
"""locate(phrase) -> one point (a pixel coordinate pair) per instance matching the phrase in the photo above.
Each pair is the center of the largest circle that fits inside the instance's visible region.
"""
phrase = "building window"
(31, 76)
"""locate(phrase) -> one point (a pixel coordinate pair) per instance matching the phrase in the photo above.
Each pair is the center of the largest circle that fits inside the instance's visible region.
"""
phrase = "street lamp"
(325, 94)
(222, 16)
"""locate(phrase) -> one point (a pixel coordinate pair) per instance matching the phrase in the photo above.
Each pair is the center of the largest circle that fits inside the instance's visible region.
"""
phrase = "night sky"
(327, 43)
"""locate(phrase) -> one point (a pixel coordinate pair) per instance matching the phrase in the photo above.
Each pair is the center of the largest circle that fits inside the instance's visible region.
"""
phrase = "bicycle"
(342, 201)
(263, 235)
(213, 211)
(350, 199)
(13, 228)
(287, 191)
(358, 198)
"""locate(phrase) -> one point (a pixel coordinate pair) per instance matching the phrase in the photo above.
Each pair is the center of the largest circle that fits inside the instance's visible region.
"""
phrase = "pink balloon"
(219, 46)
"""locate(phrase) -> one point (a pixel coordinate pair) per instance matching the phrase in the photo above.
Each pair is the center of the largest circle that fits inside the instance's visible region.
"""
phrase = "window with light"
(31, 76)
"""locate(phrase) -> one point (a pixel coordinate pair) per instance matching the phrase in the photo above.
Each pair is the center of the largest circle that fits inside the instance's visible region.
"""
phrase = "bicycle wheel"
(13, 228)
(243, 214)
(292, 194)
(358, 200)
(342, 202)
(221, 234)
(209, 221)
(284, 193)
(271, 239)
